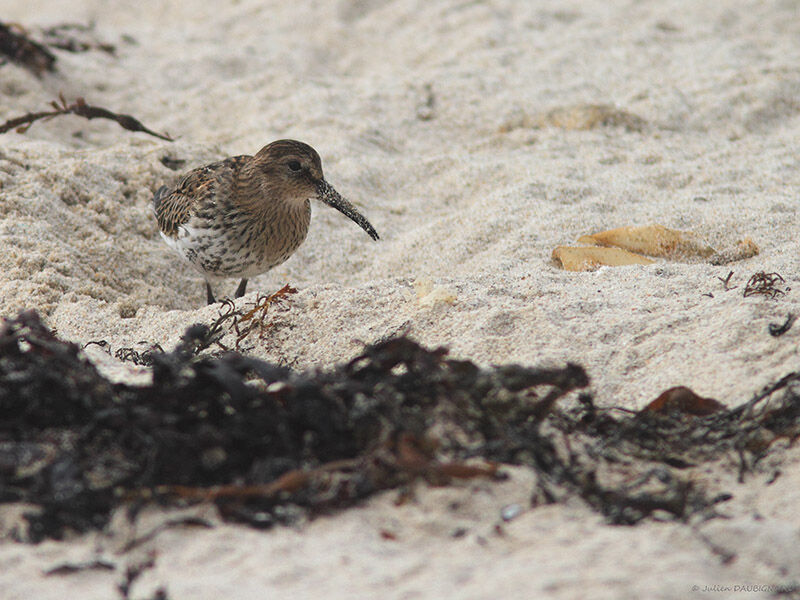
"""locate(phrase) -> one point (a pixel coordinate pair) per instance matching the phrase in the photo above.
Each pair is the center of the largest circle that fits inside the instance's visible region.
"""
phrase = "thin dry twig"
(408, 460)
(68, 568)
(189, 521)
(288, 483)
(262, 305)
(81, 109)
(727, 282)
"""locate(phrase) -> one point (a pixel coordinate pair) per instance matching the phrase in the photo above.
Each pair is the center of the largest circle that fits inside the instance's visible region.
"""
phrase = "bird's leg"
(241, 288)
(209, 294)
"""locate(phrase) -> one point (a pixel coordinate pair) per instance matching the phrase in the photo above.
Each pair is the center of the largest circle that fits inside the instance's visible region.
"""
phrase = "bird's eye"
(294, 165)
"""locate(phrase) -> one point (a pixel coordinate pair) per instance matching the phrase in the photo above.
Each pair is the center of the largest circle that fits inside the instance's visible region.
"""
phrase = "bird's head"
(293, 170)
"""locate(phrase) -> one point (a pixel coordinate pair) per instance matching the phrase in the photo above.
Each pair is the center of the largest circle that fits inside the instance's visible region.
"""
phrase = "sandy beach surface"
(436, 119)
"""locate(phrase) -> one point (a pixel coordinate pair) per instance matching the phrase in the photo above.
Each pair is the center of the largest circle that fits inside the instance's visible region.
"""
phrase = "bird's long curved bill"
(328, 195)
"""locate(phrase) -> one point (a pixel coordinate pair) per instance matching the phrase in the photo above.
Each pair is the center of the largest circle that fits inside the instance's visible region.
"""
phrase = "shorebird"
(244, 215)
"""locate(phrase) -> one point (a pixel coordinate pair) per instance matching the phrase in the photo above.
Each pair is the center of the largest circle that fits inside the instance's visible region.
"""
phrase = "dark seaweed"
(765, 284)
(19, 48)
(82, 109)
(268, 444)
(778, 329)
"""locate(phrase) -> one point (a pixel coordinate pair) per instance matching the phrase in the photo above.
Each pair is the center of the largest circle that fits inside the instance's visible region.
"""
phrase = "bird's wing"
(174, 207)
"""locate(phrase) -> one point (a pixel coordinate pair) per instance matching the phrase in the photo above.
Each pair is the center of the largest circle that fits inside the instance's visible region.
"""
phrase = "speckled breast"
(231, 244)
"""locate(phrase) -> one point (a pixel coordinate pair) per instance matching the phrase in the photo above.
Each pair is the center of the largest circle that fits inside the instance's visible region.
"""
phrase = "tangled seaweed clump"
(76, 445)
(267, 444)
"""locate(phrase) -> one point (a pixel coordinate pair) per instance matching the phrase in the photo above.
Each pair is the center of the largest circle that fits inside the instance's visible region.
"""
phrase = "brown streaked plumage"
(247, 214)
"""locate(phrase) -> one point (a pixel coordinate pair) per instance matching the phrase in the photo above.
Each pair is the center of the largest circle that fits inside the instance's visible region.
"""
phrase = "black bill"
(328, 195)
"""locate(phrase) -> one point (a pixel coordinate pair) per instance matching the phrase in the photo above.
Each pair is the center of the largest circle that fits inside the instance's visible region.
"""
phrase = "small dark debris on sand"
(765, 284)
(174, 164)
(778, 329)
(75, 37)
(97, 564)
(16, 45)
(133, 573)
(268, 445)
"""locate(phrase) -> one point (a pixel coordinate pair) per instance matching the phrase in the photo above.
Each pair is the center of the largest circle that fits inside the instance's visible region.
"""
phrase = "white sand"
(422, 112)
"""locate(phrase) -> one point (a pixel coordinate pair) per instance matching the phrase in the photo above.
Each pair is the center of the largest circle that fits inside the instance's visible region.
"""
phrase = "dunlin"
(244, 215)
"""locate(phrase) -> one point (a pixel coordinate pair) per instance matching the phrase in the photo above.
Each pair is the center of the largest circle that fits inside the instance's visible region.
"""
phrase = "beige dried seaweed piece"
(653, 240)
(589, 258)
(429, 295)
(590, 116)
(745, 248)
(577, 117)
(627, 245)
